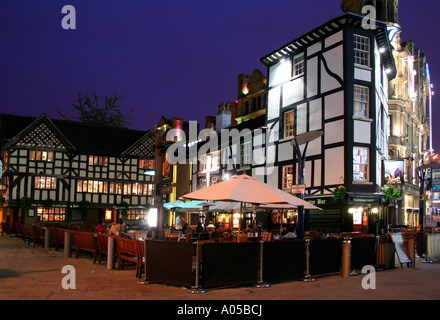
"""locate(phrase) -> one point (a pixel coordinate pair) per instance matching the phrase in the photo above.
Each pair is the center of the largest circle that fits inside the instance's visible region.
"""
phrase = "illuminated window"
(289, 124)
(51, 214)
(146, 164)
(127, 188)
(287, 178)
(91, 186)
(361, 101)
(98, 161)
(42, 182)
(298, 65)
(115, 188)
(361, 50)
(37, 155)
(360, 164)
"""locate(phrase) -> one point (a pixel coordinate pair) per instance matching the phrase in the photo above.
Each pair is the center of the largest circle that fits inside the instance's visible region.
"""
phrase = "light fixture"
(152, 217)
(150, 173)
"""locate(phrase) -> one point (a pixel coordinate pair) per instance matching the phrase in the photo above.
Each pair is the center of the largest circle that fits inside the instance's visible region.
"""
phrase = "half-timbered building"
(335, 79)
(64, 171)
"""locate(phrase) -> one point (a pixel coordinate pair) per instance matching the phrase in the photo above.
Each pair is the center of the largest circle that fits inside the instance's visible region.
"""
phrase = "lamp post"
(296, 142)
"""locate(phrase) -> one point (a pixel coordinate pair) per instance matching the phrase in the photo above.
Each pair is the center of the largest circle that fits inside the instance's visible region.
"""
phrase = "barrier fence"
(209, 265)
(206, 264)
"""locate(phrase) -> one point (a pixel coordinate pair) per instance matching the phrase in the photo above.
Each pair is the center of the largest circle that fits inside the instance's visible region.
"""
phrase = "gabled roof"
(39, 133)
(142, 147)
(76, 137)
(328, 28)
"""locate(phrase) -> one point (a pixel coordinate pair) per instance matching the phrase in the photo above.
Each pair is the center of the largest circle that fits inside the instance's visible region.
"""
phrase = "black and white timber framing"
(70, 163)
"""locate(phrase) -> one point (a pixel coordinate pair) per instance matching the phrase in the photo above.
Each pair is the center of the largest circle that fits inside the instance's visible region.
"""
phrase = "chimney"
(210, 122)
(223, 118)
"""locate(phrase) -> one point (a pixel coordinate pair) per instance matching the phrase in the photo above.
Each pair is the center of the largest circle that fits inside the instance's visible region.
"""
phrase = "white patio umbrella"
(246, 189)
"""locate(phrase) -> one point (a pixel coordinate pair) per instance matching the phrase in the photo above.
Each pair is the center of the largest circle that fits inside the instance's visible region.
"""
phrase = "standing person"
(179, 222)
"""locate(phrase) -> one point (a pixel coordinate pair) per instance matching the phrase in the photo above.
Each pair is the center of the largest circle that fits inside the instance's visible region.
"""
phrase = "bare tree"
(110, 115)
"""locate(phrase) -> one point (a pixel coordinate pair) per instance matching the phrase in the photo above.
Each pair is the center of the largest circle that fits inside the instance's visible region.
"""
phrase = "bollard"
(346, 258)
(111, 253)
(67, 244)
(47, 238)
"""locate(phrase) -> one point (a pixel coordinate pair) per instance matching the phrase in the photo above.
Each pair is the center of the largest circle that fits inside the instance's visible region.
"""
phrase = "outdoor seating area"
(92, 244)
(224, 259)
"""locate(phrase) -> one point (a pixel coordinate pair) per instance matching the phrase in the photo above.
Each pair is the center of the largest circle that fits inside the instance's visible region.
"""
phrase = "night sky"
(170, 58)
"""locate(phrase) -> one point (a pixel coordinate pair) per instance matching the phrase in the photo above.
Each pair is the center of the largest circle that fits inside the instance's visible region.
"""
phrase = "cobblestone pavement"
(28, 272)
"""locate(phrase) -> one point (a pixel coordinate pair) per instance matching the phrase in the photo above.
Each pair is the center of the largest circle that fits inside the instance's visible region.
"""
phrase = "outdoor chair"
(19, 232)
(40, 235)
(173, 237)
(84, 241)
(5, 228)
(242, 237)
(140, 257)
(58, 237)
(30, 234)
(24, 233)
(266, 236)
(103, 245)
(127, 251)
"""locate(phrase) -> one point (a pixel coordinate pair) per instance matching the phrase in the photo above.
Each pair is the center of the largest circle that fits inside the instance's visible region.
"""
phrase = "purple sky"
(170, 58)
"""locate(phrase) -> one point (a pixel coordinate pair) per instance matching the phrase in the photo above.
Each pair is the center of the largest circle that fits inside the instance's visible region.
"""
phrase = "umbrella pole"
(239, 221)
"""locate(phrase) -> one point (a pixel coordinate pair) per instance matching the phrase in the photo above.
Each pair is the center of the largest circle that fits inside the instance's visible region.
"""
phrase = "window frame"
(285, 181)
(298, 68)
(45, 186)
(358, 164)
(362, 50)
(357, 100)
(245, 154)
(289, 127)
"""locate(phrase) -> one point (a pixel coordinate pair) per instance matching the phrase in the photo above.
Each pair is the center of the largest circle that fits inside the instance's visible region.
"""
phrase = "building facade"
(334, 79)
(66, 172)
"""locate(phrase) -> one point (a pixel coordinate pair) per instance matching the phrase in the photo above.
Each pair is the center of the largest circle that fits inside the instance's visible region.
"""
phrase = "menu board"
(328, 221)
(399, 244)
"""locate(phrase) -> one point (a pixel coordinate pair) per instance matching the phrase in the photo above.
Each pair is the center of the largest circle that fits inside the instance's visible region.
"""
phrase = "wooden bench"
(140, 258)
(84, 241)
(127, 251)
(5, 228)
(40, 235)
(173, 237)
(57, 237)
(29, 234)
(103, 245)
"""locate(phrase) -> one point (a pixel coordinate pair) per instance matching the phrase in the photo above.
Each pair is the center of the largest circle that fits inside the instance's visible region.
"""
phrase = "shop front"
(366, 214)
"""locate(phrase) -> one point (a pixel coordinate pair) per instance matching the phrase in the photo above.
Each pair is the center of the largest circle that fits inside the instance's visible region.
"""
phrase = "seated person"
(123, 232)
(199, 228)
(114, 229)
(100, 228)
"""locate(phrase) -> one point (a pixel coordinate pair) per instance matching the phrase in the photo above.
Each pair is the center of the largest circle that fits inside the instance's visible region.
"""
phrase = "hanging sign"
(298, 188)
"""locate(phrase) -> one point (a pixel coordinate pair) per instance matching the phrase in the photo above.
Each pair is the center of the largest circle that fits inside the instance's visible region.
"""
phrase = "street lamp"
(296, 142)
